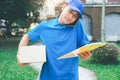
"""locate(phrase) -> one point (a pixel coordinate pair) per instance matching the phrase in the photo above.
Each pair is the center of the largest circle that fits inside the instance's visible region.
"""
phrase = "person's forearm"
(24, 41)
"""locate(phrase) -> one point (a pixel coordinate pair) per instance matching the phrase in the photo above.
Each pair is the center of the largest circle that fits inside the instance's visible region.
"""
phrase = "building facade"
(99, 1)
(92, 19)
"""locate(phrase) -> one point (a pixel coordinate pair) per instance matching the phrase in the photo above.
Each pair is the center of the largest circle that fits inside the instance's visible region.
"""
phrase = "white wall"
(94, 1)
(86, 20)
(112, 27)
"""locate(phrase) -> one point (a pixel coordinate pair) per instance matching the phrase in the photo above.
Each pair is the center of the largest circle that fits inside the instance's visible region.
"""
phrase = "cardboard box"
(31, 54)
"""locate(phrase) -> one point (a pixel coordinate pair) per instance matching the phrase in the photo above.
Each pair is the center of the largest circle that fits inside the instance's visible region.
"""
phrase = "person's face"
(68, 16)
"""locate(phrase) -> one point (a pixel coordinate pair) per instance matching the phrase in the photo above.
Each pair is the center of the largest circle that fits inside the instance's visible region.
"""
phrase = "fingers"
(85, 55)
(23, 64)
(18, 60)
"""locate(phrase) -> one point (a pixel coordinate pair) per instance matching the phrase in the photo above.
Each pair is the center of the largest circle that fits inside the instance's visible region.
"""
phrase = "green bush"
(107, 54)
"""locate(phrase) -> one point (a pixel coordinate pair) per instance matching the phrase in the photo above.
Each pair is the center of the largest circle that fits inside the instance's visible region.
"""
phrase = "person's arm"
(83, 40)
(24, 41)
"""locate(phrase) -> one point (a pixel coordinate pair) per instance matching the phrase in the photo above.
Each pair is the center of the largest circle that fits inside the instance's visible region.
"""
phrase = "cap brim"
(75, 9)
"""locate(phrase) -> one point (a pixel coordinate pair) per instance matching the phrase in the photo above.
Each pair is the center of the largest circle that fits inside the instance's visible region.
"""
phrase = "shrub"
(107, 54)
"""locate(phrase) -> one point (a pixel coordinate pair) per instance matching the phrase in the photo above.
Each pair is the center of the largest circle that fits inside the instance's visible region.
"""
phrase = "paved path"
(84, 74)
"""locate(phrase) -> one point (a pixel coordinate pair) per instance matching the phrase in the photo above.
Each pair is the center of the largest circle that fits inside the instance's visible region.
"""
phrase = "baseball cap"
(76, 5)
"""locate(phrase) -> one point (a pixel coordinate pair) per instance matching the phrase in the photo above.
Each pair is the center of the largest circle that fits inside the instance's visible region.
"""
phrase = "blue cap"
(76, 5)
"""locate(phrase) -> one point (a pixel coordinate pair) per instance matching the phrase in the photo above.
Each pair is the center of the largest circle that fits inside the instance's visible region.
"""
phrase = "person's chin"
(67, 22)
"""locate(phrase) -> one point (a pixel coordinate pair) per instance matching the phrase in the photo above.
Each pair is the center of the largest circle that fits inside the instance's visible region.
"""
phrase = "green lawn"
(9, 69)
(104, 72)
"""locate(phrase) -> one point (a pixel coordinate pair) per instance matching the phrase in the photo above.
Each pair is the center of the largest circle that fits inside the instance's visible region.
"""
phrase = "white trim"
(100, 5)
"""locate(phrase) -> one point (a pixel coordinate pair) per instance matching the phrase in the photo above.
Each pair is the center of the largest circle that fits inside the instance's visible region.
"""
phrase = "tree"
(22, 10)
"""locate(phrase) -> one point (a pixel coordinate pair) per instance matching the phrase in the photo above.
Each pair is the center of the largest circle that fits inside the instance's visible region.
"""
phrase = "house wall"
(95, 12)
(99, 1)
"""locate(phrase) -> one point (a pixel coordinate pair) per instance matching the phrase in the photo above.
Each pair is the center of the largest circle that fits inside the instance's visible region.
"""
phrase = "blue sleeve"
(34, 34)
(82, 38)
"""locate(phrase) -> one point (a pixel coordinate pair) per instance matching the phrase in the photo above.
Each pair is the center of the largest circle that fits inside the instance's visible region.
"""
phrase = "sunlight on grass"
(9, 69)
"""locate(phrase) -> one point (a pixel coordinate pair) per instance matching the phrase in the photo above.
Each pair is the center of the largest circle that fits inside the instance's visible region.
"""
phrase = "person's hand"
(21, 64)
(85, 55)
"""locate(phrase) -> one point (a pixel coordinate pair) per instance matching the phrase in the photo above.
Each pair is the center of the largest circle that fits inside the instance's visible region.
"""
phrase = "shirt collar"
(56, 22)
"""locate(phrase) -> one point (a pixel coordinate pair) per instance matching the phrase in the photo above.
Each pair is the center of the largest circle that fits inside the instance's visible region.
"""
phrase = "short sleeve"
(34, 34)
(82, 38)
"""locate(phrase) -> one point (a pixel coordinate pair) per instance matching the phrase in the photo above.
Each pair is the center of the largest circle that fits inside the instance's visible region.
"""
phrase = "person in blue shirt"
(61, 35)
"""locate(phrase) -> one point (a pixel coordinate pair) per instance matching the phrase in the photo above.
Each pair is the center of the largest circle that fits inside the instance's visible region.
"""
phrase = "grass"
(9, 69)
(118, 44)
(103, 72)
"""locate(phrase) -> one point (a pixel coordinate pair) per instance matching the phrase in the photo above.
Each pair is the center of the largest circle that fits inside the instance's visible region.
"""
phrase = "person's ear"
(64, 6)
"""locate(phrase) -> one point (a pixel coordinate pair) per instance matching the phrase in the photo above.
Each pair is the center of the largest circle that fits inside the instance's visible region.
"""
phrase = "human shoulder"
(80, 26)
(79, 22)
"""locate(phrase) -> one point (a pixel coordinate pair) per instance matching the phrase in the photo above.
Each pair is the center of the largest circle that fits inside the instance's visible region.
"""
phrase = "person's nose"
(71, 15)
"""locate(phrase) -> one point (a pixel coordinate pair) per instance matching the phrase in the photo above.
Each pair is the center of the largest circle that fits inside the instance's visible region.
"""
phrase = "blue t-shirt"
(59, 40)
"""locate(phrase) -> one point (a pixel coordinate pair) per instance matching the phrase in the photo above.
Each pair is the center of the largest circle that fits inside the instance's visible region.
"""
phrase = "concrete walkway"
(84, 74)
